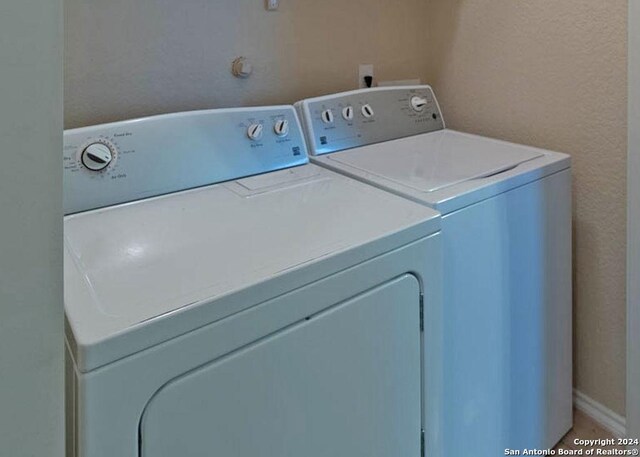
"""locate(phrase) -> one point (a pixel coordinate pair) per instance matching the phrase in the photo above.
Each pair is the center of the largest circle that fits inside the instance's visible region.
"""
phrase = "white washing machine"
(506, 231)
(226, 298)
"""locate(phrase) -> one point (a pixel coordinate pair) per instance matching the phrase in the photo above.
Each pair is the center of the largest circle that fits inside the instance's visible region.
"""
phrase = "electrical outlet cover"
(365, 69)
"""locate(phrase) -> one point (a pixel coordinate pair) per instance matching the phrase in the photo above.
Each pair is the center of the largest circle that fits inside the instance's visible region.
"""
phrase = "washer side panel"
(507, 334)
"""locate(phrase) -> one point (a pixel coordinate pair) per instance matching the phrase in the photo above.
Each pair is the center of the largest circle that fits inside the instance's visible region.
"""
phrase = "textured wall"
(128, 58)
(549, 73)
(633, 226)
(553, 74)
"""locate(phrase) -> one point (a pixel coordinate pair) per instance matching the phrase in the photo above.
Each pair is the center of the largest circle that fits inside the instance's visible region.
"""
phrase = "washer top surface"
(437, 160)
(145, 270)
(400, 143)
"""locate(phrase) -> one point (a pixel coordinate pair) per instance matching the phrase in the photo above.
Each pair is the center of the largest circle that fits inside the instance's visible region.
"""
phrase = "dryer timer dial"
(281, 128)
(97, 156)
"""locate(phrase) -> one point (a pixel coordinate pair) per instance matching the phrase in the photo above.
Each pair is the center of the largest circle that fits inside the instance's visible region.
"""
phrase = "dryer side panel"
(345, 382)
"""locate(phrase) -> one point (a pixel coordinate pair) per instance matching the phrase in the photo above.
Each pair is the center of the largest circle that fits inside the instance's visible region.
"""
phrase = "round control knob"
(418, 103)
(327, 116)
(281, 128)
(97, 156)
(367, 111)
(254, 132)
(347, 113)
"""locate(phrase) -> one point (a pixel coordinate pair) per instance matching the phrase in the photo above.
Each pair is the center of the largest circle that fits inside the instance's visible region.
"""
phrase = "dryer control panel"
(125, 161)
(367, 116)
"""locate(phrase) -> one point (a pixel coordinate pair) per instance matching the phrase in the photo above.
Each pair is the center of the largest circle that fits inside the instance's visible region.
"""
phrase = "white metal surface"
(164, 286)
(428, 163)
(440, 183)
(110, 401)
(507, 317)
(380, 114)
(507, 263)
(130, 268)
(168, 153)
(355, 389)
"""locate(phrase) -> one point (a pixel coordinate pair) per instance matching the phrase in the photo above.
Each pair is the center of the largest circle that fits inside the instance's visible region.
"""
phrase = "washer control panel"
(125, 161)
(358, 118)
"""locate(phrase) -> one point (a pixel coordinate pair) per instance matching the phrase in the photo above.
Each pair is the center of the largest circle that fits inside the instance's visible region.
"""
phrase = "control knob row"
(280, 128)
(417, 103)
(347, 113)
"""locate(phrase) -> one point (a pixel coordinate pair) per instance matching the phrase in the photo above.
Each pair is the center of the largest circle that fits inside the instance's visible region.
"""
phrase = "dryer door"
(343, 383)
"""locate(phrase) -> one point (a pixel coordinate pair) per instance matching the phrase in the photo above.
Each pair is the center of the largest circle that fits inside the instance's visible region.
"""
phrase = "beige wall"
(128, 58)
(549, 73)
(553, 74)
(633, 226)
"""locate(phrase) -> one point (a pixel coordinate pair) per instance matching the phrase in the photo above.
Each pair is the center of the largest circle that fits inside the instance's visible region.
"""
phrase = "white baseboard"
(609, 420)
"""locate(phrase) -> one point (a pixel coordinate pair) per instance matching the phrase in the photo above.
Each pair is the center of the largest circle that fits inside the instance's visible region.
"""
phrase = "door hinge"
(422, 312)
(422, 443)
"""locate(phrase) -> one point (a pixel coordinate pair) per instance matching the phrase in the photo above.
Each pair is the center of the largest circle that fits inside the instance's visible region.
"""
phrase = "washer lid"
(141, 273)
(436, 160)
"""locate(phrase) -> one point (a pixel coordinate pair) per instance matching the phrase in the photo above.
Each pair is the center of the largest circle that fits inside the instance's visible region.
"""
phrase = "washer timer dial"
(97, 156)
(418, 103)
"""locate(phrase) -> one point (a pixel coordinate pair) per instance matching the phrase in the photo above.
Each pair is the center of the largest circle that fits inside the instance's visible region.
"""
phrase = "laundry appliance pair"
(224, 296)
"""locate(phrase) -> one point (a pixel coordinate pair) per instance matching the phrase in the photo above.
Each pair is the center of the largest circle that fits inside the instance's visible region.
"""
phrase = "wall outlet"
(272, 5)
(365, 69)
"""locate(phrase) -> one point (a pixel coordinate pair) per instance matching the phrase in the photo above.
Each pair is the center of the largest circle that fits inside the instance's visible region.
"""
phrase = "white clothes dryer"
(224, 297)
